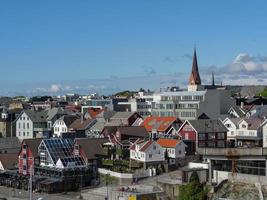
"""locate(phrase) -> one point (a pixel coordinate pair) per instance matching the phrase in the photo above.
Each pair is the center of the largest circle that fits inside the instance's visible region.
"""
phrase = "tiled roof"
(254, 122)
(158, 123)
(169, 143)
(8, 160)
(92, 147)
(33, 144)
(93, 112)
(79, 124)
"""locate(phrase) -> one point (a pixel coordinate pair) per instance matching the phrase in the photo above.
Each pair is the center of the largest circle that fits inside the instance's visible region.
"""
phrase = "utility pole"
(30, 184)
(107, 176)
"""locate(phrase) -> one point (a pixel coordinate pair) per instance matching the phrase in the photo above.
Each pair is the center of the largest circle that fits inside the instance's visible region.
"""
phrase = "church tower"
(194, 83)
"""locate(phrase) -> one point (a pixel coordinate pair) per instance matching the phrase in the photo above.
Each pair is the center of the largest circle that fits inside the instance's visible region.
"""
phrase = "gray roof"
(208, 125)
(239, 111)
(92, 147)
(236, 120)
(261, 110)
(69, 119)
(98, 126)
(10, 143)
(51, 113)
(254, 122)
(138, 131)
(122, 115)
(106, 114)
(36, 116)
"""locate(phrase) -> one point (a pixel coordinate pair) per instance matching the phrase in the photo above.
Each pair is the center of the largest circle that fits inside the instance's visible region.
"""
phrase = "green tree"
(193, 190)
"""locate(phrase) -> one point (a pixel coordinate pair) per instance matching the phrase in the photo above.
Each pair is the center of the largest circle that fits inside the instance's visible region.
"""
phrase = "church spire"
(194, 76)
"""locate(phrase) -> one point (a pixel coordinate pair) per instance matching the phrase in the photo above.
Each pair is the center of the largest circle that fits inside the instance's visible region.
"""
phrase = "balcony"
(255, 151)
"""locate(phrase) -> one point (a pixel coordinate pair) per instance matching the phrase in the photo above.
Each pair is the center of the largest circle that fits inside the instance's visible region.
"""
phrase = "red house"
(189, 136)
(203, 133)
(28, 155)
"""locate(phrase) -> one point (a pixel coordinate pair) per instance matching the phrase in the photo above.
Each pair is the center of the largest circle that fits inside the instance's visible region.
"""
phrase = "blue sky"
(57, 45)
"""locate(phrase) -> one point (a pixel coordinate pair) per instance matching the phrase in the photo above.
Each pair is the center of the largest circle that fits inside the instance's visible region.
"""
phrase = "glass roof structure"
(60, 148)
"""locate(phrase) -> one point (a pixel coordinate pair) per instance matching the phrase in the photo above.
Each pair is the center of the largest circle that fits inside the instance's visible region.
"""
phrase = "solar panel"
(62, 148)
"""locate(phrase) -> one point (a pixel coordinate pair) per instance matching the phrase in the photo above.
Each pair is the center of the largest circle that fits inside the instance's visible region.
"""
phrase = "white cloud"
(55, 88)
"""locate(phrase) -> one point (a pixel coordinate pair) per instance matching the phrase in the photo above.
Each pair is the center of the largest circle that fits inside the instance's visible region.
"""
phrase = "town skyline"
(85, 46)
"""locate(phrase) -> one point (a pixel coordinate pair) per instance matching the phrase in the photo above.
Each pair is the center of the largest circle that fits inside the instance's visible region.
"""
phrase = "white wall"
(155, 150)
(231, 128)
(219, 176)
(24, 127)
(264, 135)
(198, 165)
(60, 127)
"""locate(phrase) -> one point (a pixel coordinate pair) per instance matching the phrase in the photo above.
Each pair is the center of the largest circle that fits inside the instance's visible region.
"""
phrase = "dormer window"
(244, 126)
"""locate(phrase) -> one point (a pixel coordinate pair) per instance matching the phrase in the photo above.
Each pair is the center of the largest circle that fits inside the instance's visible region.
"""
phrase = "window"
(220, 144)
(211, 144)
(28, 125)
(202, 136)
(27, 133)
(23, 125)
(19, 125)
(150, 155)
(220, 136)
(201, 144)
(154, 147)
(244, 126)
(180, 152)
(211, 136)
(251, 133)
(24, 167)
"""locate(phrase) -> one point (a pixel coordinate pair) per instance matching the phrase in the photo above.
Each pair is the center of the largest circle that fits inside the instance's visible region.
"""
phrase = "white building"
(174, 148)
(62, 125)
(31, 124)
(141, 103)
(188, 105)
(146, 152)
(244, 131)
